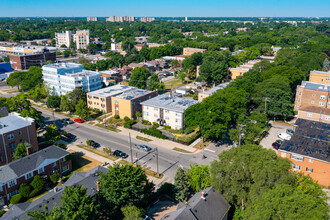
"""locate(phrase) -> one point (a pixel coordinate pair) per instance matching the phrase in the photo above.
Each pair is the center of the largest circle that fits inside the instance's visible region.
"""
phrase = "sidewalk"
(156, 181)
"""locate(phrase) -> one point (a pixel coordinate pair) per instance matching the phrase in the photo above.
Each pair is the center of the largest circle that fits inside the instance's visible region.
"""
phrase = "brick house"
(15, 129)
(44, 163)
(309, 150)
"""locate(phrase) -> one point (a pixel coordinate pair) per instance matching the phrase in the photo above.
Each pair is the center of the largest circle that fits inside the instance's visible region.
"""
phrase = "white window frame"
(10, 136)
(309, 170)
(309, 115)
(65, 168)
(322, 97)
(41, 170)
(297, 157)
(295, 166)
(12, 183)
(321, 103)
(29, 175)
(311, 160)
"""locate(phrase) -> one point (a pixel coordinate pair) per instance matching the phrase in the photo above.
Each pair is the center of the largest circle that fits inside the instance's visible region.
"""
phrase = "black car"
(280, 142)
(70, 136)
(119, 153)
(289, 131)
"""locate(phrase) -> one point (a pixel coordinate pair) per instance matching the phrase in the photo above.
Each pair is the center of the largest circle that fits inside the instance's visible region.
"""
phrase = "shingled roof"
(310, 139)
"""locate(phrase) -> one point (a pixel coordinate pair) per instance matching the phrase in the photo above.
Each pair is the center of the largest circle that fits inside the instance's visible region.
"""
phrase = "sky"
(165, 8)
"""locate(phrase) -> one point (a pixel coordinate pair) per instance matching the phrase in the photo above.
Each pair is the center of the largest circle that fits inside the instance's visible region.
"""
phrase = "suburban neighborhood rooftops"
(310, 139)
(13, 122)
(86, 179)
(315, 86)
(216, 88)
(31, 162)
(207, 205)
(111, 90)
(173, 103)
(133, 94)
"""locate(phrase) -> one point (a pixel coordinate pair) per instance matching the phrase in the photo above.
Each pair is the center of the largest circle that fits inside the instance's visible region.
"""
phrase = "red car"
(79, 120)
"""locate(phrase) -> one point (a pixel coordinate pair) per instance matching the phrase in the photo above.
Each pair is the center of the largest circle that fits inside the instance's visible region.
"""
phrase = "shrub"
(107, 150)
(89, 142)
(24, 190)
(116, 116)
(38, 183)
(61, 145)
(154, 132)
(15, 199)
(34, 193)
(138, 114)
(55, 177)
(167, 127)
(145, 122)
(2, 212)
(188, 130)
(126, 118)
(129, 123)
(155, 125)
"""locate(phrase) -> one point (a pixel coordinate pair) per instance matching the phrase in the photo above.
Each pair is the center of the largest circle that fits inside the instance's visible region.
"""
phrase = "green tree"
(92, 48)
(77, 94)
(82, 109)
(139, 77)
(20, 150)
(182, 75)
(15, 79)
(122, 186)
(55, 177)
(181, 184)
(199, 177)
(53, 101)
(154, 83)
(38, 183)
(246, 172)
(52, 134)
(326, 65)
(66, 104)
(25, 190)
(131, 213)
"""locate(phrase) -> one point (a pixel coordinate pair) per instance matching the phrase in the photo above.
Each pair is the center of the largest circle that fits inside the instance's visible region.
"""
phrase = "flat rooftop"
(321, 72)
(13, 122)
(315, 86)
(173, 103)
(133, 94)
(63, 65)
(111, 91)
(216, 88)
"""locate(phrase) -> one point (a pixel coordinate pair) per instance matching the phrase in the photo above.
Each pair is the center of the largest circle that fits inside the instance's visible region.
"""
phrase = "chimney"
(203, 195)
(170, 94)
(97, 185)
(28, 151)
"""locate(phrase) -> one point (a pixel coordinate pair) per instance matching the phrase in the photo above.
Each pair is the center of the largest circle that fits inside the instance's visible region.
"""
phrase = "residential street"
(169, 160)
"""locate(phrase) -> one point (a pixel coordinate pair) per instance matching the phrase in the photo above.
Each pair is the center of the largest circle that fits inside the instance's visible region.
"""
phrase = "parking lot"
(276, 129)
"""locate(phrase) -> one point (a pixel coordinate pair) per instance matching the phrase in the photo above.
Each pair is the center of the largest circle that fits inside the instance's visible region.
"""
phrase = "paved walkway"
(156, 181)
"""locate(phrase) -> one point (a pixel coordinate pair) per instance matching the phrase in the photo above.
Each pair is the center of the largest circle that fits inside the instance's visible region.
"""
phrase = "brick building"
(319, 77)
(309, 150)
(188, 51)
(15, 129)
(24, 62)
(43, 163)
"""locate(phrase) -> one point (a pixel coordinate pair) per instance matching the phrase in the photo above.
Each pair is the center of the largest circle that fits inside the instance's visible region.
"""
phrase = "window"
(299, 93)
(309, 115)
(12, 145)
(12, 183)
(177, 114)
(311, 160)
(10, 136)
(321, 103)
(19, 132)
(283, 154)
(297, 157)
(117, 108)
(54, 164)
(116, 102)
(145, 114)
(156, 115)
(167, 118)
(312, 102)
(156, 109)
(322, 97)
(296, 167)
(178, 120)
(298, 100)
(145, 107)
(63, 159)
(327, 118)
(313, 95)
(167, 111)
(309, 169)
(29, 175)
(65, 168)
(41, 170)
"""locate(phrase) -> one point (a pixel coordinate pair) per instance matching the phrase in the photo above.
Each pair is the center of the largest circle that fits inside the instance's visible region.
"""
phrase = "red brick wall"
(321, 170)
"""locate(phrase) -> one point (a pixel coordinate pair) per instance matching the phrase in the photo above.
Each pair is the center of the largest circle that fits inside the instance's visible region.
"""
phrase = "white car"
(284, 136)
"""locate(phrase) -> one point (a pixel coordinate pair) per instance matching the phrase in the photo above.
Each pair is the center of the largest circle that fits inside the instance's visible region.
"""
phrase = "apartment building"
(129, 102)
(15, 129)
(167, 110)
(65, 77)
(101, 99)
(146, 19)
(188, 51)
(43, 163)
(207, 93)
(110, 77)
(319, 77)
(88, 180)
(91, 18)
(309, 150)
(120, 19)
(116, 46)
(64, 38)
(240, 70)
(82, 39)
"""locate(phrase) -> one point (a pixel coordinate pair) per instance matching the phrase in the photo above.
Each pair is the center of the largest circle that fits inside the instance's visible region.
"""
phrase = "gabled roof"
(214, 206)
(310, 139)
(31, 162)
(86, 179)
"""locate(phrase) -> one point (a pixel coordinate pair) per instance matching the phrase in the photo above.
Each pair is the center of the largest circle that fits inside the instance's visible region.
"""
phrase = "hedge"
(146, 122)
(15, 199)
(2, 212)
(129, 123)
(153, 132)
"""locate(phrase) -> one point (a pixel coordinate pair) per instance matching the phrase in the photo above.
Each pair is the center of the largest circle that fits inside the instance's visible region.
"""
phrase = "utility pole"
(266, 100)
(130, 146)
(157, 161)
(54, 116)
(240, 134)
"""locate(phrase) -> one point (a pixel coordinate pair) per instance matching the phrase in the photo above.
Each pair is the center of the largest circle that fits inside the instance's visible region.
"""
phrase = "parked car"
(144, 147)
(67, 121)
(289, 131)
(280, 142)
(70, 136)
(119, 153)
(79, 120)
(284, 136)
(276, 145)
(94, 144)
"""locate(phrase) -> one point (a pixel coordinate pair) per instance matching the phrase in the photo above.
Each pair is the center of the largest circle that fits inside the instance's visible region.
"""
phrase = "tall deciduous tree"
(139, 77)
(82, 109)
(76, 95)
(20, 150)
(199, 177)
(66, 104)
(154, 83)
(131, 213)
(53, 101)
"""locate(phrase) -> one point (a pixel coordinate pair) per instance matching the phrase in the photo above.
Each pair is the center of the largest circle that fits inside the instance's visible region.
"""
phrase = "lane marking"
(210, 150)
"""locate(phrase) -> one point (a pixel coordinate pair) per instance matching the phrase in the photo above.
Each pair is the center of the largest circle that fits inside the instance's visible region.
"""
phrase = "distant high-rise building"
(91, 18)
(186, 19)
(81, 38)
(146, 19)
(120, 19)
(63, 38)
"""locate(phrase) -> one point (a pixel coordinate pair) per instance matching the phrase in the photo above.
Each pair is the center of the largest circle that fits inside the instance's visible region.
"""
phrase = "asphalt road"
(168, 159)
